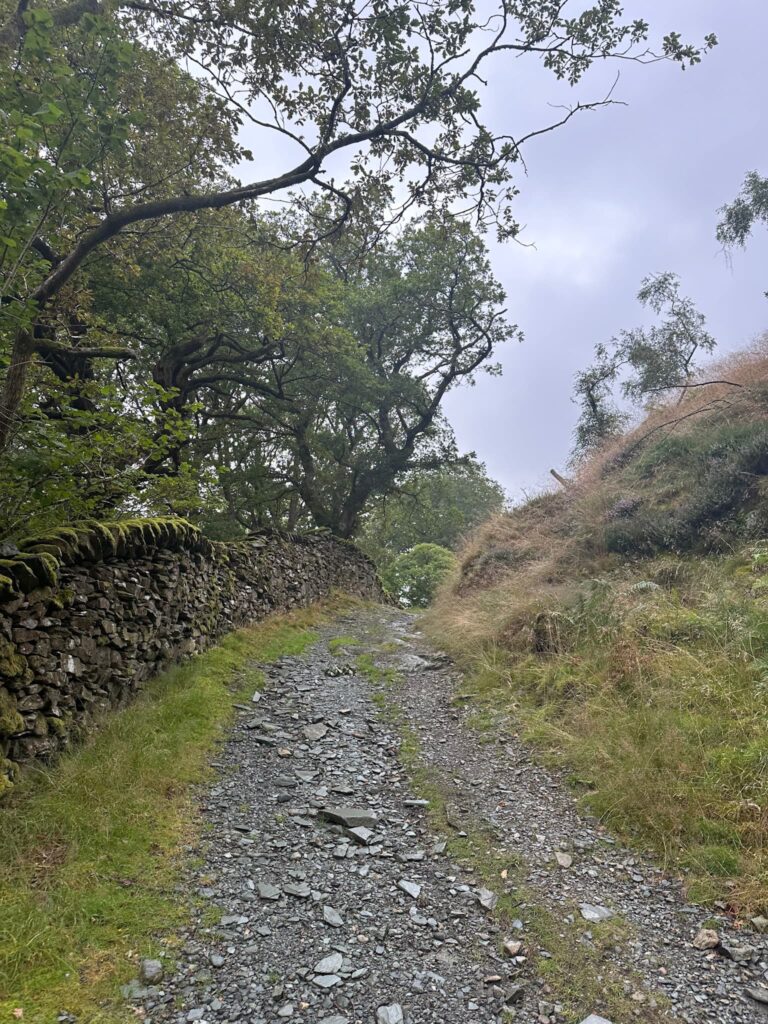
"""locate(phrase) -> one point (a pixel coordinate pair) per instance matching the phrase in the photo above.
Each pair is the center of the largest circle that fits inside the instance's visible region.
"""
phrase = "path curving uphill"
(367, 860)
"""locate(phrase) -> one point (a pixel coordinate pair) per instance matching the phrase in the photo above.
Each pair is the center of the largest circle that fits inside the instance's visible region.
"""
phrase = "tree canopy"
(166, 344)
(642, 364)
(749, 208)
(440, 506)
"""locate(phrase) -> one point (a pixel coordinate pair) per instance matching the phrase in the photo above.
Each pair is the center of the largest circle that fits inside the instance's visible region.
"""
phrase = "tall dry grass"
(625, 618)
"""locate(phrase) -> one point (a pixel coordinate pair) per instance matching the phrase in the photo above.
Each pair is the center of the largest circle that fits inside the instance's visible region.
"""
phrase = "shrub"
(415, 575)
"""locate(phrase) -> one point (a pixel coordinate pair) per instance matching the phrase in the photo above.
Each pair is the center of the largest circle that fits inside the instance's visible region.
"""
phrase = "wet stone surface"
(322, 895)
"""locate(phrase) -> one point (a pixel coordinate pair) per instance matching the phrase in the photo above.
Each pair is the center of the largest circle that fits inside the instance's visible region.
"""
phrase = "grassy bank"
(91, 849)
(624, 621)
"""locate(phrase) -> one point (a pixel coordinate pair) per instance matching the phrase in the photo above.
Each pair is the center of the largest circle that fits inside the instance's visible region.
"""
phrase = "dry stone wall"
(88, 613)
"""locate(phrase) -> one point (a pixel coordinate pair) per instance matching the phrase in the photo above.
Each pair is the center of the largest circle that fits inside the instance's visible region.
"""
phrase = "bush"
(415, 575)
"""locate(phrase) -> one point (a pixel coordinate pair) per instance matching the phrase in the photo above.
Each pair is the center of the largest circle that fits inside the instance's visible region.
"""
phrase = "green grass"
(365, 665)
(91, 849)
(338, 645)
(653, 695)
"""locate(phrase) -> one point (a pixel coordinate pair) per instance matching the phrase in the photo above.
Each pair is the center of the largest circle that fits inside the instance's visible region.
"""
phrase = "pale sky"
(615, 195)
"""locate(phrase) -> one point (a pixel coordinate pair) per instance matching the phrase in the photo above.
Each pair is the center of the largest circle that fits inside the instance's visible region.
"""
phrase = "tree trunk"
(13, 389)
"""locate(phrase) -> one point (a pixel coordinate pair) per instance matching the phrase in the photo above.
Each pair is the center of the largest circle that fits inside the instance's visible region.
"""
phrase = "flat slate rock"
(595, 914)
(332, 917)
(352, 817)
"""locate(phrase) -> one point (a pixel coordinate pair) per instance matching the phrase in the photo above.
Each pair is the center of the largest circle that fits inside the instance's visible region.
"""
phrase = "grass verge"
(91, 849)
(648, 686)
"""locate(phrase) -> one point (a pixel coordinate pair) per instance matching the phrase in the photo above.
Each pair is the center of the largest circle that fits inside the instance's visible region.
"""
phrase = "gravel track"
(307, 912)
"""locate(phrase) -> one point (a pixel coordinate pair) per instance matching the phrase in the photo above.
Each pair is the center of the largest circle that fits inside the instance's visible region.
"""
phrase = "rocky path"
(326, 890)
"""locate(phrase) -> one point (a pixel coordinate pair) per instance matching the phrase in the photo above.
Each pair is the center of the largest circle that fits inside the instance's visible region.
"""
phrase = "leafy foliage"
(167, 346)
(748, 209)
(440, 506)
(646, 363)
(414, 576)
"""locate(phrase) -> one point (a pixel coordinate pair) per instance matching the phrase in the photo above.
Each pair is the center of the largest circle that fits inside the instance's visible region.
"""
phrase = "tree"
(646, 362)
(438, 506)
(352, 410)
(414, 576)
(136, 140)
(749, 208)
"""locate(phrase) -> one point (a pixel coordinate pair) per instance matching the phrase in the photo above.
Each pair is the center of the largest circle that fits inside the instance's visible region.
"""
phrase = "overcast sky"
(613, 196)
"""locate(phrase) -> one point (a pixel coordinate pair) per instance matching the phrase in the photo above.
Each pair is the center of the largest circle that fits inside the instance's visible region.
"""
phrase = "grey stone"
(487, 899)
(300, 890)
(706, 938)
(392, 1014)
(332, 917)
(412, 888)
(326, 980)
(760, 995)
(593, 1018)
(267, 891)
(134, 990)
(151, 971)
(362, 835)
(595, 914)
(315, 731)
(351, 817)
(330, 964)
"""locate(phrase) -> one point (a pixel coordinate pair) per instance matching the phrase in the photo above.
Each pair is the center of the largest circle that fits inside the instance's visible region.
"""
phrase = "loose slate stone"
(362, 835)
(352, 817)
(760, 995)
(298, 889)
(593, 1018)
(595, 914)
(151, 971)
(330, 964)
(315, 731)
(327, 980)
(335, 1020)
(487, 899)
(563, 859)
(392, 1014)
(412, 888)
(332, 917)
(268, 891)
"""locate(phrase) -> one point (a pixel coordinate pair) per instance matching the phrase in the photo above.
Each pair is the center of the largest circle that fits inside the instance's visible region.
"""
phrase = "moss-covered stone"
(58, 726)
(10, 720)
(12, 664)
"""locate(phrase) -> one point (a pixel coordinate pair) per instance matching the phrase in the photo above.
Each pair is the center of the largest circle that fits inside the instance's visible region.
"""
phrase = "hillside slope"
(625, 618)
